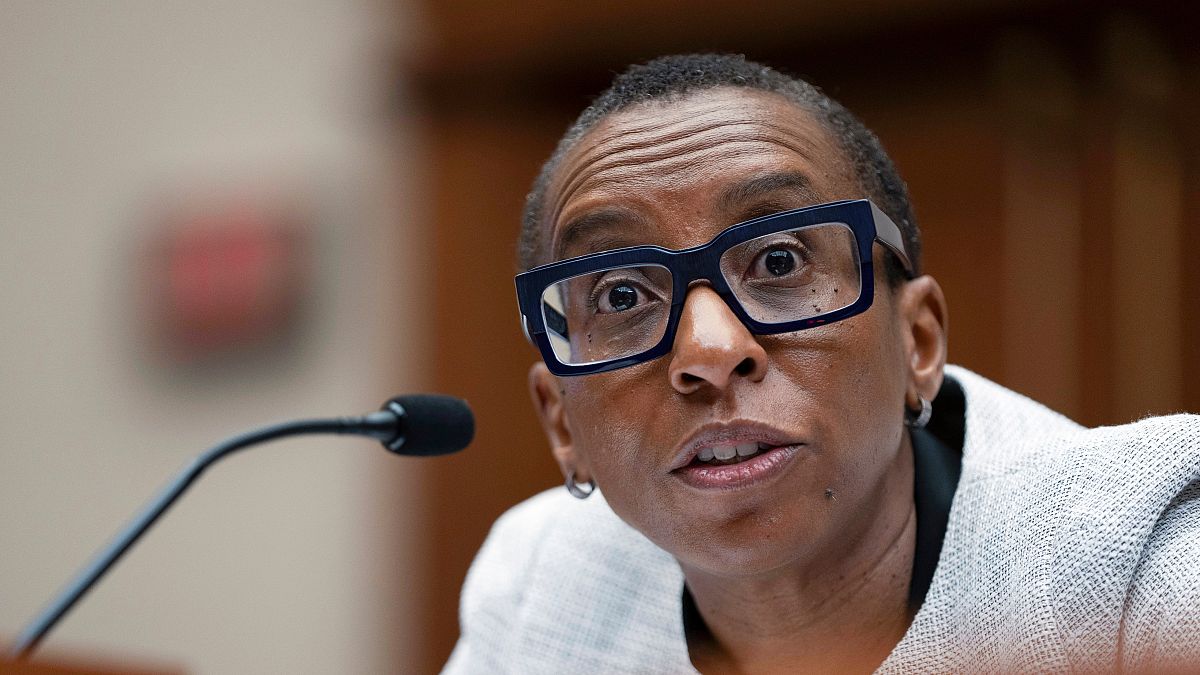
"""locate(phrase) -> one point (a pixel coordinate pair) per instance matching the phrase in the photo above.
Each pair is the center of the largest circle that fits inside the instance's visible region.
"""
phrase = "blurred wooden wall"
(1051, 149)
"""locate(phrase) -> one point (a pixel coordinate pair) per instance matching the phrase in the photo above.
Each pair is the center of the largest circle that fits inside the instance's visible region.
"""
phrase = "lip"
(761, 467)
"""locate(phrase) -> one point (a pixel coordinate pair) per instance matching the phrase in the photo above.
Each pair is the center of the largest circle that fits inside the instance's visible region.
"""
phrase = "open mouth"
(735, 454)
(726, 467)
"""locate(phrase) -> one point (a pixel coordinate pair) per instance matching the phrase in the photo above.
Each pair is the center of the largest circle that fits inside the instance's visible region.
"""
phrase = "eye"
(620, 298)
(629, 289)
(779, 261)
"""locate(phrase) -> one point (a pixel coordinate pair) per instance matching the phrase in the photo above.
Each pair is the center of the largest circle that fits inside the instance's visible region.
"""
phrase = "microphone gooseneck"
(418, 425)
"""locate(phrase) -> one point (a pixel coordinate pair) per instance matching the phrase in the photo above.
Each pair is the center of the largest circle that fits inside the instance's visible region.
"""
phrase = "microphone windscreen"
(434, 424)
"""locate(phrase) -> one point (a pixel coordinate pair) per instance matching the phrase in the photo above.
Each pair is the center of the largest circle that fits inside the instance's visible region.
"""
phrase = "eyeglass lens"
(777, 278)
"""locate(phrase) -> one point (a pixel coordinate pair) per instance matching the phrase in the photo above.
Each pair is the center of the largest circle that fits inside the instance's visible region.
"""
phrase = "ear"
(548, 401)
(923, 318)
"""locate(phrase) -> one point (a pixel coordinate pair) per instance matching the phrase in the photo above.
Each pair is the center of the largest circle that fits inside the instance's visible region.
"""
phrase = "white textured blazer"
(1067, 549)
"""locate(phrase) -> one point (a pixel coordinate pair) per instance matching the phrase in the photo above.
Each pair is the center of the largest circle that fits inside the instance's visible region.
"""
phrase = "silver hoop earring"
(577, 491)
(918, 420)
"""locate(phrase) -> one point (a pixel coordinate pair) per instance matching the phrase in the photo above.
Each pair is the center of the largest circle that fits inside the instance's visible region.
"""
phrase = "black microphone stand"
(380, 425)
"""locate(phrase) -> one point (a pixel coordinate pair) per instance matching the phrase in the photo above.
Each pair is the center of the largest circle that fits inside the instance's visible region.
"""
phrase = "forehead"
(672, 171)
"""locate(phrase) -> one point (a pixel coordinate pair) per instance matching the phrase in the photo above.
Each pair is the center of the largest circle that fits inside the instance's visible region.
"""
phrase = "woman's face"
(821, 409)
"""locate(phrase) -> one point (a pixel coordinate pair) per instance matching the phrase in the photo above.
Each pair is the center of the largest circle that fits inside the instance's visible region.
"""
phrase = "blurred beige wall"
(288, 558)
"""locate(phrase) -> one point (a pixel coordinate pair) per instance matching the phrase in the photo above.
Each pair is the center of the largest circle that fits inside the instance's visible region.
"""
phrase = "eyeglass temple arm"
(525, 327)
(554, 314)
(889, 235)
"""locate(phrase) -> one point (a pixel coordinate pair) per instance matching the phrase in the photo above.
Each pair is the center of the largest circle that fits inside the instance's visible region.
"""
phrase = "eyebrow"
(602, 228)
(737, 196)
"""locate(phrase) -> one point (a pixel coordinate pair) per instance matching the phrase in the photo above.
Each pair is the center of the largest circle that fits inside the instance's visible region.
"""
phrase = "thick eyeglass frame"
(703, 262)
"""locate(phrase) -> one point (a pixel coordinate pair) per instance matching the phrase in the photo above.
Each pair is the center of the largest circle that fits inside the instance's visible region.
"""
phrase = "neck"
(840, 612)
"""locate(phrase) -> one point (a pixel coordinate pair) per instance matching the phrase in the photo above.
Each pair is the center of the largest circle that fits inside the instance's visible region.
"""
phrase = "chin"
(745, 544)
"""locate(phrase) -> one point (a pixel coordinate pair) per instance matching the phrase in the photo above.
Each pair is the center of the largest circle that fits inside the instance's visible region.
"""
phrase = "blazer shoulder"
(561, 581)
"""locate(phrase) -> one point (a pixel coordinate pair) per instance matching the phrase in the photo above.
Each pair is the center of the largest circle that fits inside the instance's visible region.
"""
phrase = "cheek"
(872, 418)
(852, 373)
(608, 420)
(624, 425)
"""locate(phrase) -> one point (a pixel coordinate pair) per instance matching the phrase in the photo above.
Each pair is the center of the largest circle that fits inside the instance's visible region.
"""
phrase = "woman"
(741, 354)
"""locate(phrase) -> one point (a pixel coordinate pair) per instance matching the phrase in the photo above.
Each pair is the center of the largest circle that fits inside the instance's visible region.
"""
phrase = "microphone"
(421, 425)
(424, 425)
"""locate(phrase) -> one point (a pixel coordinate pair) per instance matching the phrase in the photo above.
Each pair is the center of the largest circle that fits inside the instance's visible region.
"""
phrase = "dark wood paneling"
(1184, 119)
(488, 41)
(955, 185)
(483, 163)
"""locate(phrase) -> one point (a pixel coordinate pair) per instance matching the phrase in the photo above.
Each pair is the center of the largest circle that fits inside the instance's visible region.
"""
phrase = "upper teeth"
(728, 451)
(747, 449)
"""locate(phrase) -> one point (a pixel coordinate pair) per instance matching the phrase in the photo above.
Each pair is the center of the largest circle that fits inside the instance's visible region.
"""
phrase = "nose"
(713, 349)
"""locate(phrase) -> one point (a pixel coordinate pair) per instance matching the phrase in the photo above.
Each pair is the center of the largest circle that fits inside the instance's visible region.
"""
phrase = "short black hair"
(671, 78)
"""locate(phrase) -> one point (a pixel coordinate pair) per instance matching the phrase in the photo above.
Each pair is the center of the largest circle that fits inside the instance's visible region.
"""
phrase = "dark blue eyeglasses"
(783, 272)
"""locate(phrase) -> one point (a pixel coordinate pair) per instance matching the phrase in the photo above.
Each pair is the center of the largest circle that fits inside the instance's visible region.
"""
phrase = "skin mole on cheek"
(829, 493)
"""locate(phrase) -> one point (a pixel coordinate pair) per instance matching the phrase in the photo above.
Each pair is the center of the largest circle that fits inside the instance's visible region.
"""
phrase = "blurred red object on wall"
(226, 280)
